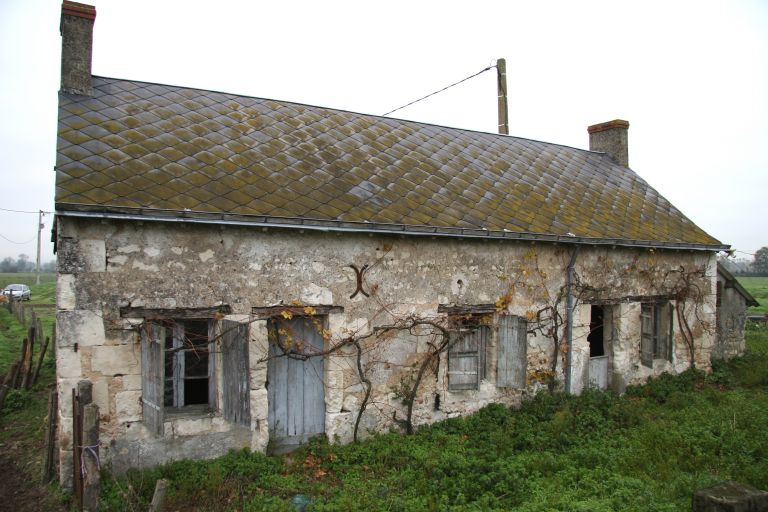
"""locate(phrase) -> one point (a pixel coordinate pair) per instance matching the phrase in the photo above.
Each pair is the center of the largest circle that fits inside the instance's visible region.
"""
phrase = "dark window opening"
(187, 364)
(595, 337)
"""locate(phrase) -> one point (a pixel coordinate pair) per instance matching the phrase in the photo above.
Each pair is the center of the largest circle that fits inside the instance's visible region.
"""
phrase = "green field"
(758, 287)
(28, 278)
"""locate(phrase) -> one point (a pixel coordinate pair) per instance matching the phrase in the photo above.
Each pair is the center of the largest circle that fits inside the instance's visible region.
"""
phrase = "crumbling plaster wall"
(105, 265)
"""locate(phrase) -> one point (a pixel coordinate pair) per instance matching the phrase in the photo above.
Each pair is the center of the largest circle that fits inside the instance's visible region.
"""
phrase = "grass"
(758, 287)
(22, 419)
(28, 278)
(645, 451)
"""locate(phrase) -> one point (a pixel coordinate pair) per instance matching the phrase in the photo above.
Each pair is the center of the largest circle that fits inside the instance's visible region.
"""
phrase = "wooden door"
(295, 386)
(598, 372)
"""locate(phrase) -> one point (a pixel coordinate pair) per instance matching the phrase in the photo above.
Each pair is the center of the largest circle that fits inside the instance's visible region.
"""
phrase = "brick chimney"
(76, 45)
(610, 138)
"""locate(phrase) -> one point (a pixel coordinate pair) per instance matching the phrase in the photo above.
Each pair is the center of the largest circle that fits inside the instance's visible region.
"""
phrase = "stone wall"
(731, 321)
(106, 265)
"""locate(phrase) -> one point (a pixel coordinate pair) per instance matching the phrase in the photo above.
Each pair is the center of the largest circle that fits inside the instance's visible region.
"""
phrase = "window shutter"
(235, 378)
(212, 364)
(463, 361)
(646, 334)
(152, 369)
(512, 353)
(665, 331)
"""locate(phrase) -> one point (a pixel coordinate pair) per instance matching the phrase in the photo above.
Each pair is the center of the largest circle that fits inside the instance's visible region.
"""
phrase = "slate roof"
(167, 152)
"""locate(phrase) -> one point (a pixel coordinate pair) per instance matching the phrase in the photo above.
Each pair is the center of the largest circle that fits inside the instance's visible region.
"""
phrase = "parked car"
(17, 292)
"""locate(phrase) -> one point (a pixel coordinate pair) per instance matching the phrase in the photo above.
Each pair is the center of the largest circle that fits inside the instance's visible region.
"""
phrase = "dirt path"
(18, 493)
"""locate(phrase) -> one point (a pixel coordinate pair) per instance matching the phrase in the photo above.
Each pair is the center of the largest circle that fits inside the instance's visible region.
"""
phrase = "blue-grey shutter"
(647, 334)
(235, 379)
(152, 369)
(512, 360)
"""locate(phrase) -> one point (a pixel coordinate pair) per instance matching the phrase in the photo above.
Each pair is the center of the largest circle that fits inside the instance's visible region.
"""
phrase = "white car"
(18, 292)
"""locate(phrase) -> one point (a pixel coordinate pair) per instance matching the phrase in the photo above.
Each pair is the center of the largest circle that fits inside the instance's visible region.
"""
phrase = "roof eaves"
(750, 300)
(197, 217)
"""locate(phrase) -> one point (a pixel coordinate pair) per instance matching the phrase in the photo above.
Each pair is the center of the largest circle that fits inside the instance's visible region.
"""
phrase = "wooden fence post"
(49, 463)
(40, 360)
(89, 453)
(26, 380)
(10, 377)
(158, 499)
(81, 397)
(39, 326)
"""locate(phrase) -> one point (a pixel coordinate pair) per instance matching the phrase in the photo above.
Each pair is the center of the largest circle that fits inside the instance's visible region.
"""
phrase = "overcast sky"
(690, 77)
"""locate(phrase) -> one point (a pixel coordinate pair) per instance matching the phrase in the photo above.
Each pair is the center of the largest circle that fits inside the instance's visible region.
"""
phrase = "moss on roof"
(158, 147)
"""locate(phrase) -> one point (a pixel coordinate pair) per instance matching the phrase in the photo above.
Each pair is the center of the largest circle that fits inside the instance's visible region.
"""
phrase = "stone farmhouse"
(247, 272)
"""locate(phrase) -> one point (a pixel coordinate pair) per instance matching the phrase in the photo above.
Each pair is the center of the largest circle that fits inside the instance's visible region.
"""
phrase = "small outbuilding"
(732, 303)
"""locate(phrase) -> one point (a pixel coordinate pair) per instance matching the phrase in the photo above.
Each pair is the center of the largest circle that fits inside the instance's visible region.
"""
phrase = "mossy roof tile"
(155, 146)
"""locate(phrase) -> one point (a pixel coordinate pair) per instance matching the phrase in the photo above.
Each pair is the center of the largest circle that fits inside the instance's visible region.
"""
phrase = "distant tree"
(23, 264)
(8, 265)
(48, 266)
(760, 265)
(20, 264)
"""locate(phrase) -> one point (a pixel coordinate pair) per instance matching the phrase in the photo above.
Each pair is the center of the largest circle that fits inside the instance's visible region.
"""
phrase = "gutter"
(341, 226)
(569, 318)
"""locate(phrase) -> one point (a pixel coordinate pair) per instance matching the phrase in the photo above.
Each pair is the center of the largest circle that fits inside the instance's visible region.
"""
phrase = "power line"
(18, 243)
(441, 90)
(24, 211)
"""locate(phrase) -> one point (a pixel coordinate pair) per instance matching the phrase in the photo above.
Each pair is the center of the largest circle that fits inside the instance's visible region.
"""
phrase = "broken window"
(655, 332)
(188, 364)
(178, 368)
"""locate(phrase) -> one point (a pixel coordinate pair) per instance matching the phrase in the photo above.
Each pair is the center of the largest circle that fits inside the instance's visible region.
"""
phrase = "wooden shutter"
(512, 353)
(152, 382)
(212, 364)
(664, 329)
(647, 332)
(235, 379)
(466, 359)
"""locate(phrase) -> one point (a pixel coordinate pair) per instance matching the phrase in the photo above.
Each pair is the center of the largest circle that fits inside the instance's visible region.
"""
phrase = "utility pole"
(39, 231)
(501, 75)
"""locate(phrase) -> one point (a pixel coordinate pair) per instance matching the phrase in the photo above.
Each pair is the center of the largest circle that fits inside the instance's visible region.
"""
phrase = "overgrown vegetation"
(22, 419)
(648, 450)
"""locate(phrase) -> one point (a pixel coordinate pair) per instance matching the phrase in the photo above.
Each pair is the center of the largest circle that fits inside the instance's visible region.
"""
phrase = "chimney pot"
(76, 47)
(611, 138)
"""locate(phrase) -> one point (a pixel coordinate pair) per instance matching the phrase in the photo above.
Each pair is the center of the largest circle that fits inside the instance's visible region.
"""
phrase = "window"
(179, 360)
(655, 332)
(468, 354)
(188, 364)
